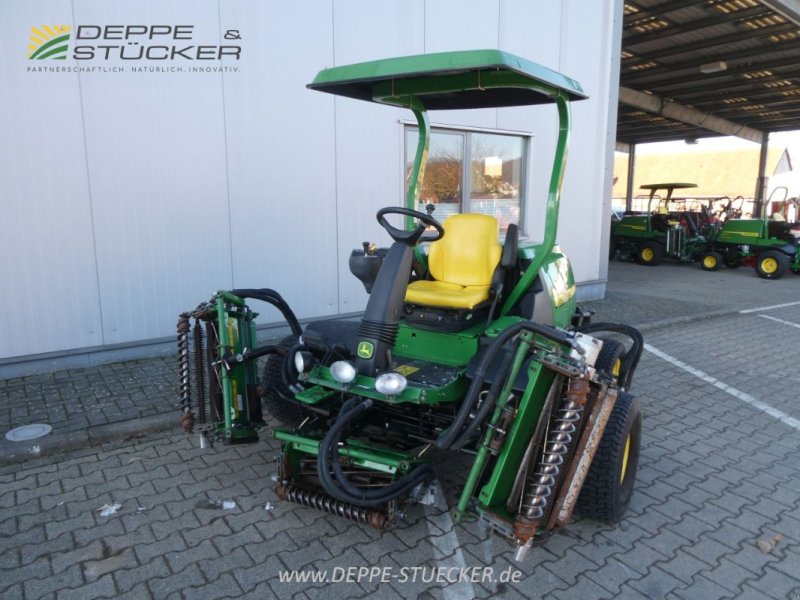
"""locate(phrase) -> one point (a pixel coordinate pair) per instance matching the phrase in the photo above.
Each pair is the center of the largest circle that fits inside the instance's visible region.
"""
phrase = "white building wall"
(126, 198)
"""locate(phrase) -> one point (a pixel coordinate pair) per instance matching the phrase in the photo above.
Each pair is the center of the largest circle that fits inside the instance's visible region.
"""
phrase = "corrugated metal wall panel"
(156, 151)
(369, 172)
(281, 152)
(462, 25)
(540, 120)
(178, 161)
(586, 208)
(47, 274)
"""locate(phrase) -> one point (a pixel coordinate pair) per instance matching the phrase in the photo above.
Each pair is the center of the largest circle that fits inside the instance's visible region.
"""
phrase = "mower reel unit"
(650, 237)
(465, 346)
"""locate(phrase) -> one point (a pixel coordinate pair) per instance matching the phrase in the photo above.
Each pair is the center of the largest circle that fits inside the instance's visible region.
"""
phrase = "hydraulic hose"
(631, 360)
(349, 413)
(448, 436)
(275, 299)
(487, 406)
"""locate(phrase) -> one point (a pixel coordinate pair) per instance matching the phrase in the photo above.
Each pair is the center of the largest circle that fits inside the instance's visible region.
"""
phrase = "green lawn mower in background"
(473, 347)
(649, 237)
(765, 244)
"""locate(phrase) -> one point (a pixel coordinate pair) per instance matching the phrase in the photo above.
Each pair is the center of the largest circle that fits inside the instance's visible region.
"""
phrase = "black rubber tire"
(612, 249)
(650, 254)
(710, 261)
(276, 397)
(603, 496)
(610, 358)
(766, 258)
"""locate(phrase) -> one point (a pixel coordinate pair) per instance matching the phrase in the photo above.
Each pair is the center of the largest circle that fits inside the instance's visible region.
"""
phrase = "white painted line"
(739, 395)
(448, 546)
(752, 310)
(780, 321)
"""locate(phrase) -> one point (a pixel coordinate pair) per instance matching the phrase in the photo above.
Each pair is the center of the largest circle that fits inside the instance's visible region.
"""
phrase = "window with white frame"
(471, 171)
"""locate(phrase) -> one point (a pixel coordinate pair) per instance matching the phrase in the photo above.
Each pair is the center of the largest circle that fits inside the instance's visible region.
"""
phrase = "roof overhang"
(694, 69)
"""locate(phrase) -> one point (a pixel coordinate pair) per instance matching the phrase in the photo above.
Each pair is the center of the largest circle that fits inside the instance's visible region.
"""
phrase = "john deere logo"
(365, 349)
(49, 41)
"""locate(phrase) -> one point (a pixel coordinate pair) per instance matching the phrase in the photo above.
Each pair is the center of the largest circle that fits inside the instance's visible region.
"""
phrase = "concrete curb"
(60, 443)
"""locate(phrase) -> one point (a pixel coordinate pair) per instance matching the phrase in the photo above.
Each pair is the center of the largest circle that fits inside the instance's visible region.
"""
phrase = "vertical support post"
(761, 181)
(631, 173)
(420, 159)
(227, 383)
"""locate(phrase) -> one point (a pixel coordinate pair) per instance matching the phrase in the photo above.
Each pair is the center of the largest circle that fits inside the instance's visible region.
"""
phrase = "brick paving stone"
(572, 565)
(303, 555)
(102, 588)
(162, 587)
(172, 542)
(715, 476)
(657, 584)
(684, 566)
(237, 560)
(129, 579)
(35, 588)
(704, 588)
(583, 587)
(613, 575)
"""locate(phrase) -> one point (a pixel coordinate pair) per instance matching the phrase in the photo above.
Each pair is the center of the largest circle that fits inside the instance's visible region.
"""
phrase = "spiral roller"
(325, 503)
(556, 448)
(187, 418)
(199, 371)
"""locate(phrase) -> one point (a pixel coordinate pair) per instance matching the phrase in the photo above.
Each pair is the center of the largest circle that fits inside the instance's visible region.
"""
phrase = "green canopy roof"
(449, 80)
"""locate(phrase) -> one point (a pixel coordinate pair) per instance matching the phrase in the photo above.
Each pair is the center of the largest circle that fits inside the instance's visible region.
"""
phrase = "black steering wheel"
(415, 235)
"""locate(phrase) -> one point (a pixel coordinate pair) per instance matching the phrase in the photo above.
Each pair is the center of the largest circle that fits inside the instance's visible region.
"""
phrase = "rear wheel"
(608, 487)
(650, 254)
(710, 261)
(771, 264)
(276, 396)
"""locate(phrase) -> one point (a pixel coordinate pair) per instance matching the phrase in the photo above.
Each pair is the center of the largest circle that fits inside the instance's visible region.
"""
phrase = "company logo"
(365, 349)
(49, 41)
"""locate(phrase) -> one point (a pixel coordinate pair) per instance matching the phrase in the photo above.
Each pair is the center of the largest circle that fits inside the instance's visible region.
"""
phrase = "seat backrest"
(469, 251)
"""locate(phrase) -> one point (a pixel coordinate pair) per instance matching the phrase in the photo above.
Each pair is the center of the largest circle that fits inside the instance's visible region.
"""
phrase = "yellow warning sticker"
(406, 370)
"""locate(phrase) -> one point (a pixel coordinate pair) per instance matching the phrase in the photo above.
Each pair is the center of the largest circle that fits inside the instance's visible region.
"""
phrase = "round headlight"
(343, 372)
(303, 361)
(391, 384)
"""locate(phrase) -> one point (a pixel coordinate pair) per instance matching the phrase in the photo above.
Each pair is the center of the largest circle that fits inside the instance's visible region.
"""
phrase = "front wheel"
(650, 254)
(276, 396)
(710, 261)
(771, 264)
(608, 487)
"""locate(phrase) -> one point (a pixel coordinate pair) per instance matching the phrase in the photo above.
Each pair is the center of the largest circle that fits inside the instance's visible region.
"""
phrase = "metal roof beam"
(788, 8)
(692, 116)
(703, 89)
(680, 29)
(645, 78)
(772, 94)
(690, 81)
(709, 42)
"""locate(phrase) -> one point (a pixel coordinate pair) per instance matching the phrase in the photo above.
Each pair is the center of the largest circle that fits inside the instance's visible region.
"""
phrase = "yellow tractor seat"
(462, 264)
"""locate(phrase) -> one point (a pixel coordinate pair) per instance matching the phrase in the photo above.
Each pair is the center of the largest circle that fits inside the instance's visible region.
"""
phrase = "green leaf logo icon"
(365, 349)
(49, 41)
